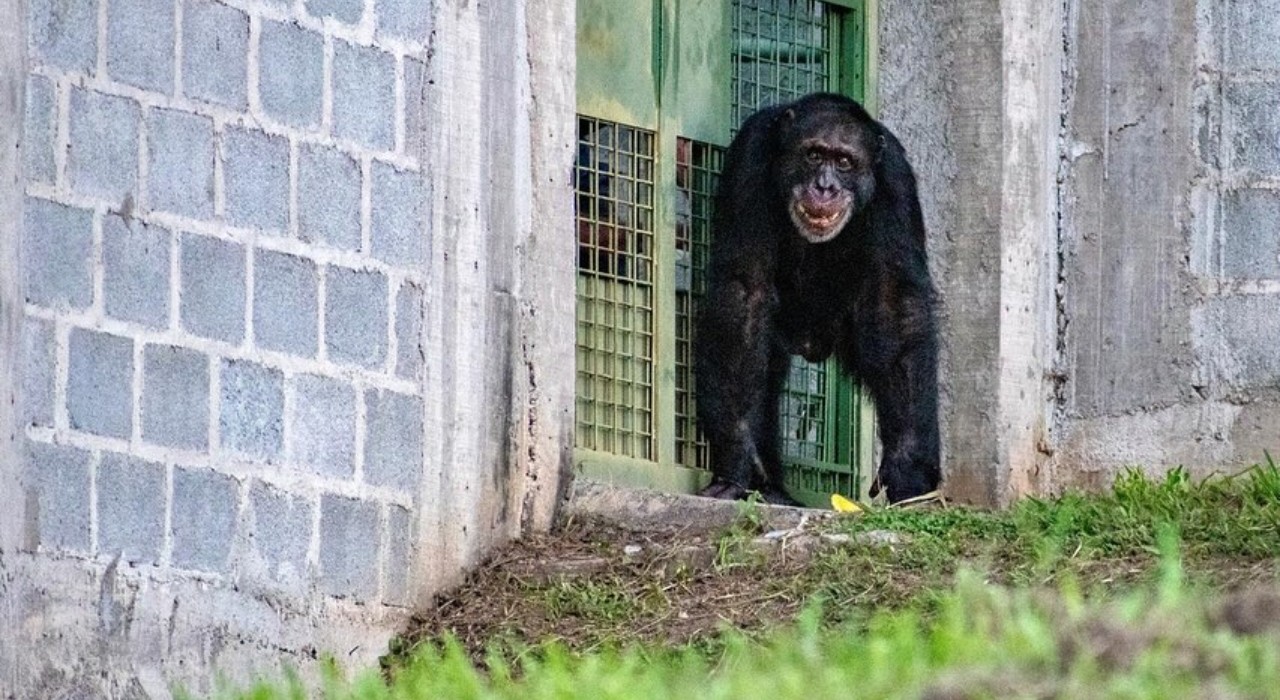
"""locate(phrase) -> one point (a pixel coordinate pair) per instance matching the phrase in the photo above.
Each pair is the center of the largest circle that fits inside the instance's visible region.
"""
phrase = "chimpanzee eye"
(814, 157)
(844, 164)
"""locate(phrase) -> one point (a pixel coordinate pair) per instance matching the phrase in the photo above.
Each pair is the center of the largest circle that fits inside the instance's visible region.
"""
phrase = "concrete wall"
(1172, 238)
(1102, 185)
(292, 355)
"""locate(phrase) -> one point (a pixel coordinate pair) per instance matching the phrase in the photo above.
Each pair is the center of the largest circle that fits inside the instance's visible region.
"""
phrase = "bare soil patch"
(593, 583)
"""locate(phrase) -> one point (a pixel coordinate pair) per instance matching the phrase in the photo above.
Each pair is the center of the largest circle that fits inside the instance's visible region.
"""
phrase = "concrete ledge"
(642, 509)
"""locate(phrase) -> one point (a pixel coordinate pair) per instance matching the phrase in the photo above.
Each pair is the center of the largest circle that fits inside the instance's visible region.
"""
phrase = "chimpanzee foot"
(726, 490)
(778, 497)
(898, 490)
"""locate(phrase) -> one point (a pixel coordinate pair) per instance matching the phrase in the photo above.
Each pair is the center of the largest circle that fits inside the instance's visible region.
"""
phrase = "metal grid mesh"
(803, 413)
(781, 50)
(615, 189)
(698, 166)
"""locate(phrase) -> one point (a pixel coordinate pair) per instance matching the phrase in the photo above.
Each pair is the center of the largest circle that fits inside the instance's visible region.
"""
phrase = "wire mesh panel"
(803, 414)
(614, 180)
(781, 50)
(698, 165)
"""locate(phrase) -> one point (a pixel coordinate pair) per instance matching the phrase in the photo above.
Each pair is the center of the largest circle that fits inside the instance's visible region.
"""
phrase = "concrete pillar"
(13, 72)
(500, 300)
(972, 88)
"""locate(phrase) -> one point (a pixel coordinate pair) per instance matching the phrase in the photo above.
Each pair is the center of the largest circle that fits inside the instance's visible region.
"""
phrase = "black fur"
(864, 295)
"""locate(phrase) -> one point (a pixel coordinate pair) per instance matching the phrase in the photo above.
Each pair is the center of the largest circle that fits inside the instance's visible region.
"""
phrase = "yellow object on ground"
(840, 504)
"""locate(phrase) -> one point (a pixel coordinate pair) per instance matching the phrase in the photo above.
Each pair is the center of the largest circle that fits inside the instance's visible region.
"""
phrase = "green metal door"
(662, 85)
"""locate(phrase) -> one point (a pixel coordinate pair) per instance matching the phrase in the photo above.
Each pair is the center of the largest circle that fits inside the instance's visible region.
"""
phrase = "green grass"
(1114, 595)
(984, 641)
(1228, 526)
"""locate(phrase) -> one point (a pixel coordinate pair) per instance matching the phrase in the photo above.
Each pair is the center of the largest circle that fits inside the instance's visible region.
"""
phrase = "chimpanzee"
(818, 247)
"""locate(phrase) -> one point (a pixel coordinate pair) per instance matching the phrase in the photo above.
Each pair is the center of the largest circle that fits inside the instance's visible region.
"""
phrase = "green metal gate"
(662, 84)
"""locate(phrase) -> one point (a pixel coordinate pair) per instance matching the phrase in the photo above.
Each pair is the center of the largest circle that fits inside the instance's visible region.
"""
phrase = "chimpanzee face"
(827, 171)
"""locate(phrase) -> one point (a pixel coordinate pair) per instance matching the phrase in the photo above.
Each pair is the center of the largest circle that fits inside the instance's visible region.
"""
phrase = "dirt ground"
(594, 583)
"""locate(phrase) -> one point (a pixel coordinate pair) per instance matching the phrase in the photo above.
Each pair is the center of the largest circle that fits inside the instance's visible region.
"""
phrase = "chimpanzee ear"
(790, 114)
(880, 146)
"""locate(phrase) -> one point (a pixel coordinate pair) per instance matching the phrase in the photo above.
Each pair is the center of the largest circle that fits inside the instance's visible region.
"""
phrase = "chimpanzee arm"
(732, 364)
(900, 344)
(737, 324)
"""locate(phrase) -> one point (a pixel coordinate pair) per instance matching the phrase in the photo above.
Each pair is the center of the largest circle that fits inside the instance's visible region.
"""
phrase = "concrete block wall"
(1170, 303)
(223, 256)
(1101, 181)
(232, 439)
(1235, 252)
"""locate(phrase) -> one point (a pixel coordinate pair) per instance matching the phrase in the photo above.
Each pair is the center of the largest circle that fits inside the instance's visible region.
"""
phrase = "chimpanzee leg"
(732, 362)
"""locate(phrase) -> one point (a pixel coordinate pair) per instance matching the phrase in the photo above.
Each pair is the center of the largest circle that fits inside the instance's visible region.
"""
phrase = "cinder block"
(356, 316)
(100, 383)
(59, 475)
(255, 175)
(180, 171)
(1252, 28)
(281, 533)
(131, 497)
(399, 559)
(364, 95)
(102, 160)
(393, 439)
(409, 331)
(205, 509)
(140, 43)
(252, 417)
(135, 275)
(215, 49)
(347, 11)
(39, 355)
(1253, 435)
(63, 34)
(1253, 111)
(397, 235)
(57, 247)
(175, 397)
(213, 288)
(285, 307)
(328, 197)
(324, 425)
(1251, 234)
(38, 130)
(1244, 330)
(349, 542)
(415, 106)
(404, 19)
(291, 74)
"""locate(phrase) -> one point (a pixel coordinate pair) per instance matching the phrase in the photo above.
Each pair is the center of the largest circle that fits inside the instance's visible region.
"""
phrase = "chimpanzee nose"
(827, 185)
(825, 190)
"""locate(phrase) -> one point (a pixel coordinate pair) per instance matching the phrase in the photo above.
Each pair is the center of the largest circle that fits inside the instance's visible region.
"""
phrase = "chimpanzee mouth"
(819, 224)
